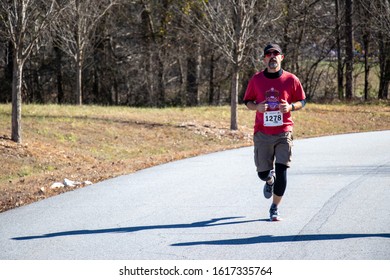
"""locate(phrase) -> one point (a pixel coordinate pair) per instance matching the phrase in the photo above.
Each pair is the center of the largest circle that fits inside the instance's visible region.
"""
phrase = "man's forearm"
(251, 105)
(295, 106)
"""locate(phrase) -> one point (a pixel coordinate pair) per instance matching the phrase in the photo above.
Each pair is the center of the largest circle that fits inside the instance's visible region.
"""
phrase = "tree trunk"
(382, 64)
(17, 100)
(193, 72)
(366, 41)
(181, 95)
(211, 80)
(160, 84)
(192, 84)
(384, 58)
(340, 76)
(234, 98)
(58, 61)
(79, 70)
(366, 34)
(348, 50)
(6, 88)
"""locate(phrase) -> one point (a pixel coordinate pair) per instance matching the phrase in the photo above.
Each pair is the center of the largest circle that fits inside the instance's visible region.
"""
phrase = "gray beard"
(273, 65)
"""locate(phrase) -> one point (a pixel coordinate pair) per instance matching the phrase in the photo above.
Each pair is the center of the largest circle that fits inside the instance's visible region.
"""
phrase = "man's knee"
(265, 175)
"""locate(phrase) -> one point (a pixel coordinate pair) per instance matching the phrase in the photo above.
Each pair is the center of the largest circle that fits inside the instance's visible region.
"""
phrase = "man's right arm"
(260, 107)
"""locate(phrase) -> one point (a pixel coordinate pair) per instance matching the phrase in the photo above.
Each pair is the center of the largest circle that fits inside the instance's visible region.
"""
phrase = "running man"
(273, 93)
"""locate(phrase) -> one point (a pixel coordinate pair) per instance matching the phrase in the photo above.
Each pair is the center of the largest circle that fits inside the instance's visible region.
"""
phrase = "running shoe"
(268, 189)
(274, 214)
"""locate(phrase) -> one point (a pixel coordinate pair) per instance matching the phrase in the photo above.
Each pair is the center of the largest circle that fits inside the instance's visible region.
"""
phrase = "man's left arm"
(298, 98)
(295, 106)
(285, 107)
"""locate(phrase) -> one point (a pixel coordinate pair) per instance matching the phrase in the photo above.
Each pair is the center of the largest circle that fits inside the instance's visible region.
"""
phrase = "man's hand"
(262, 107)
(284, 107)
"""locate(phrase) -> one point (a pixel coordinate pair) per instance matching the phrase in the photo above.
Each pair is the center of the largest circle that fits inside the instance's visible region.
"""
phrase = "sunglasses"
(268, 54)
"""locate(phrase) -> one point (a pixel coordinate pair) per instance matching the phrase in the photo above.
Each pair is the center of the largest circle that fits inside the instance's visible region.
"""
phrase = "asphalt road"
(211, 207)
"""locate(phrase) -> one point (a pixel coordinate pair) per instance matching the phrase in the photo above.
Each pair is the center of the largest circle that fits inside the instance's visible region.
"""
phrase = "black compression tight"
(281, 178)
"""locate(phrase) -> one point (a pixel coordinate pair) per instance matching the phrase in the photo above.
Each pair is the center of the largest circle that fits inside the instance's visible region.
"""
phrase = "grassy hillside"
(95, 143)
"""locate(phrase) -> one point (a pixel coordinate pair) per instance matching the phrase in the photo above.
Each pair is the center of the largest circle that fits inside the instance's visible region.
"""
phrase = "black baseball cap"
(272, 46)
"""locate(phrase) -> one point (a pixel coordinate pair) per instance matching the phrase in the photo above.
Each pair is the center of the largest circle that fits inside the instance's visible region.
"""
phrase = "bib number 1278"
(273, 118)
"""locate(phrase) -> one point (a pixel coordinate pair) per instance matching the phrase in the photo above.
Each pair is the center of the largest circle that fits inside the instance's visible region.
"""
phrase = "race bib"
(273, 118)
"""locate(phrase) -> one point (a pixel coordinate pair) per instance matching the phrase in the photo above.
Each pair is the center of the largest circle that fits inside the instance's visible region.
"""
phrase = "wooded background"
(187, 52)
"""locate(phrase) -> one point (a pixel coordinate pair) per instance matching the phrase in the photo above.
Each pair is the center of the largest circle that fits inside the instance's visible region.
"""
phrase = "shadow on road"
(211, 223)
(277, 239)
(208, 223)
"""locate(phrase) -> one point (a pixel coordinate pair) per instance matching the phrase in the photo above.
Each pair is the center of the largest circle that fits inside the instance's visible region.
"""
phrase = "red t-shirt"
(287, 87)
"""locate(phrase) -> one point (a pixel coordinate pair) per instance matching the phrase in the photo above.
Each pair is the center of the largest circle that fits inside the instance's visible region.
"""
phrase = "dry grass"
(96, 143)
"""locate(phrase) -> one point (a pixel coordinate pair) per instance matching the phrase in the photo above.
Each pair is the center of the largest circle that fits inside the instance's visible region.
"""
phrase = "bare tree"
(365, 33)
(348, 49)
(75, 30)
(24, 21)
(229, 26)
(380, 11)
(155, 18)
(340, 64)
(307, 41)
